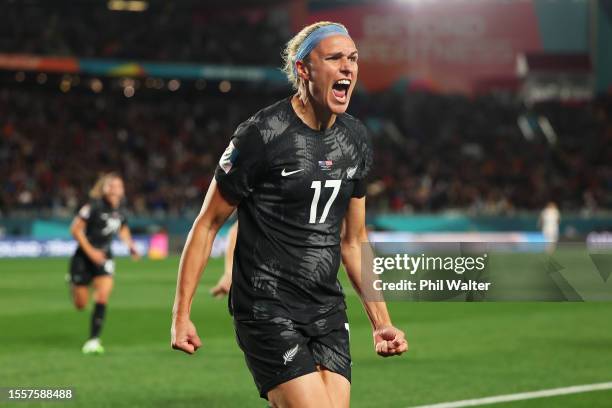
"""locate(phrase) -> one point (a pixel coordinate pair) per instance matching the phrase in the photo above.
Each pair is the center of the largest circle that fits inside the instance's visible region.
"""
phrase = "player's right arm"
(239, 169)
(215, 210)
(77, 229)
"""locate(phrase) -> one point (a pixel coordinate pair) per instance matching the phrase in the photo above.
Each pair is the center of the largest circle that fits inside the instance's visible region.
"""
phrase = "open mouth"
(340, 89)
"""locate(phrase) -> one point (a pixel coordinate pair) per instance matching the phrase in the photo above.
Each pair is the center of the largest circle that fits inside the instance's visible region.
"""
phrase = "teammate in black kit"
(296, 170)
(92, 264)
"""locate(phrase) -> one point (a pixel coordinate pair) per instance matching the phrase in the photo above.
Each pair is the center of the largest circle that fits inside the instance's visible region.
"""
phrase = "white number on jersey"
(335, 184)
(112, 226)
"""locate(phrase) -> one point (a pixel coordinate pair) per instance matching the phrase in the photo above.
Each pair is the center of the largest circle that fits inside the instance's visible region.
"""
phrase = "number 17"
(317, 194)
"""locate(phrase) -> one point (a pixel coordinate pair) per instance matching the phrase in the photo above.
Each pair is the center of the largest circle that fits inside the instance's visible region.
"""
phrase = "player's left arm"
(126, 237)
(222, 287)
(388, 340)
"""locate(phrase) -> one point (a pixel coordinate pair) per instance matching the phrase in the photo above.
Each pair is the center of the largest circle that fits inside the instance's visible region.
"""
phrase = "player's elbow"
(345, 255)
(355, 239)
(348, 246)
(75, 229)
(206, 225)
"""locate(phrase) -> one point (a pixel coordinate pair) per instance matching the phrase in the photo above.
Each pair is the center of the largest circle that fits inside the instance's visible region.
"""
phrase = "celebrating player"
(295, 170)
(92, 264)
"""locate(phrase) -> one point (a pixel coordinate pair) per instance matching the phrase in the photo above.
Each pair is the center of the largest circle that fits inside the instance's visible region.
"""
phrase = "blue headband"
(314, 38)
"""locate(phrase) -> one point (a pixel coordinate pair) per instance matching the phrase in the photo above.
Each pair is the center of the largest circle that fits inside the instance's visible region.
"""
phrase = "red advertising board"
(449, 45)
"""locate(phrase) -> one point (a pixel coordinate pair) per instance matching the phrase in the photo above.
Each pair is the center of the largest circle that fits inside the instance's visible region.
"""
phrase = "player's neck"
(315, 117)
(112, 203)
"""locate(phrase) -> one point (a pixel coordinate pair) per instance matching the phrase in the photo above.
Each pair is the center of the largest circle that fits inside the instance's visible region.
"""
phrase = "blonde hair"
(97, 191)
(292, 48)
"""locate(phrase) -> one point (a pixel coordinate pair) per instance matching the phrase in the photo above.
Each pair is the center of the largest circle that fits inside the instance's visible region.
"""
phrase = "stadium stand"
(433, 152)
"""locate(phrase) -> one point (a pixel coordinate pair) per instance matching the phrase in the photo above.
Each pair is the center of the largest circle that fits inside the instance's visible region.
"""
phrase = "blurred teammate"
(222, 287)
(92, 264)
(549, 222)
(295, 170)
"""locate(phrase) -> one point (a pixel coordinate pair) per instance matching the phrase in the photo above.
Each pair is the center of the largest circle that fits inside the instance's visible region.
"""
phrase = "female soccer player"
(295, 170)
(92, 264)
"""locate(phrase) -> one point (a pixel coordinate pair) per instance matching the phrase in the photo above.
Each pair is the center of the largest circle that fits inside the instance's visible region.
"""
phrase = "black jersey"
(103, 222)
(293, 185)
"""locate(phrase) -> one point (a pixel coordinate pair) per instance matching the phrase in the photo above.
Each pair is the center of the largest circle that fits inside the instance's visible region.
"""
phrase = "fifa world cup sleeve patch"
(242, 164)
(228, 158)
(85, 211)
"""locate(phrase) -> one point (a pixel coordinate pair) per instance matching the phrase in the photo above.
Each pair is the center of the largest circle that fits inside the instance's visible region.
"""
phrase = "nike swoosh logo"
(285, 173)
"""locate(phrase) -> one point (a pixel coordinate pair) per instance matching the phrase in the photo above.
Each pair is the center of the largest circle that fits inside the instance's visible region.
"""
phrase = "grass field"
(458, 350)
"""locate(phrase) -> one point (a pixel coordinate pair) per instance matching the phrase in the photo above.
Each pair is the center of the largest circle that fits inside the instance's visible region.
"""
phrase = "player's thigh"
(337, 386)
(331, 353)
(103, 286)
(80, 295)
(306, 391)
(80, 276)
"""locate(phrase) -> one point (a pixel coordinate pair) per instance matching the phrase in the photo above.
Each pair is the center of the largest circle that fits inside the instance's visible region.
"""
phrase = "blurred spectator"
(168, 31)
(432, 152)
(436, 152)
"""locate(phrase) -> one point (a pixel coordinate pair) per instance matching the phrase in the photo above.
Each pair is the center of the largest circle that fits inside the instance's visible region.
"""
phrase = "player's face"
(114, 191)
(333, 73)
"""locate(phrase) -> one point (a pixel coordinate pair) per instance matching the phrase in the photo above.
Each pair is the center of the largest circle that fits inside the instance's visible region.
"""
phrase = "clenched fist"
(389, 341)
(184, 335)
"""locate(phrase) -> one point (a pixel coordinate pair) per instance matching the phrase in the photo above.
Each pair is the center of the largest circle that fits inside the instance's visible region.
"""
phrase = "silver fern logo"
(350, 172)
(290, 354)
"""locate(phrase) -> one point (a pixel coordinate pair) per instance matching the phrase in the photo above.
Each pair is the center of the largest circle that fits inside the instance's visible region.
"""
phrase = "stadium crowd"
(170, 33)
(453, 152)
(432, 152)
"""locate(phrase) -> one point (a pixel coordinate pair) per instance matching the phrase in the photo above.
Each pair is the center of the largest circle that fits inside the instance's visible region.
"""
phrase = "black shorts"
(279, 349)
(83, 270)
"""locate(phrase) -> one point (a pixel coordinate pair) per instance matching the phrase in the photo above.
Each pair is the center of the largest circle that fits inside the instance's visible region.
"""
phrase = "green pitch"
(457, 350)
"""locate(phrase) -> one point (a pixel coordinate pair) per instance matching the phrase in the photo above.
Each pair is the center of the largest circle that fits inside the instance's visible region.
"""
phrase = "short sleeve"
(85, 212)
(242, 164)
(365, 164)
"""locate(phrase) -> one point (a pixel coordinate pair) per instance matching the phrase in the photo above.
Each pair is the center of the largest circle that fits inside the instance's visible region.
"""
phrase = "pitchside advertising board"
(35, 248)
(451, 46)
(155, 246)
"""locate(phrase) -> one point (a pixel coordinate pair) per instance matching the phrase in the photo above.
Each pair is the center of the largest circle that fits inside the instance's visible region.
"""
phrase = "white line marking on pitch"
(576, 389)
